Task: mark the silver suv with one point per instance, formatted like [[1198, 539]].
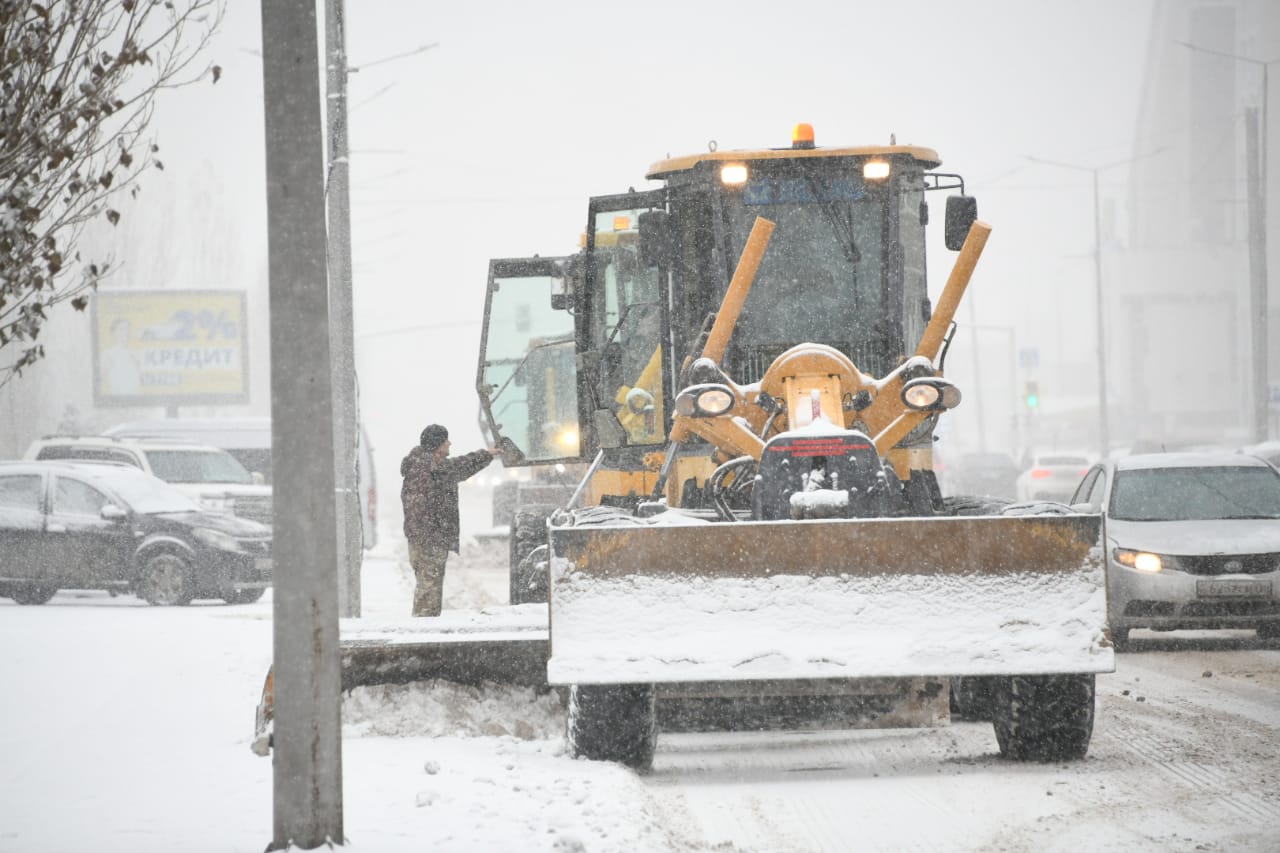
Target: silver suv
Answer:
[[207, 474]]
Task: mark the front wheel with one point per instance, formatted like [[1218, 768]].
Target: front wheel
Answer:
[[34, 594], [165, 580], [528, 532], [615, 722], [1043, 717]]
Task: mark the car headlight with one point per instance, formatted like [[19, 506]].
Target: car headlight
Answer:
[[216, 539], [215, 503], [1142, 561]]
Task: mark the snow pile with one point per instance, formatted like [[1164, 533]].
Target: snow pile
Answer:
[[443, 708]]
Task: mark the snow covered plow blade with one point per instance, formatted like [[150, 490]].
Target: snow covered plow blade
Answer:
[[634, 608]]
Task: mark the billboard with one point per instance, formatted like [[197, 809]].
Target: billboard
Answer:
[[170, 347]]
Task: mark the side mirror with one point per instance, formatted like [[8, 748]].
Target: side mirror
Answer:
[[111, 512], [962, 212], [655, 237]]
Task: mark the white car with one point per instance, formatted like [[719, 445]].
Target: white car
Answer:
[[213, 478], [1052, 477], [1192, 540]]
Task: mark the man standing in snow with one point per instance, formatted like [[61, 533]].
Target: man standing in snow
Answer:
[[430, 500]]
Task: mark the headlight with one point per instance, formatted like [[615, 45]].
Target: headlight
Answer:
[[930, 393], [215, 503], [705, 401], [216, 539], [567, 438], [1142, 561]]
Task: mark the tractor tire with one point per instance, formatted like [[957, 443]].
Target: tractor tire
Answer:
[[528, 532], [34, 594], [1268, 631], [1120, 639], [165, 580], [1043, 717], [243, 596], [613, 722], [971, 697]]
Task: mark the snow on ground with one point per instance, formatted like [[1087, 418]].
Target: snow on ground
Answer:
[[126, 728]]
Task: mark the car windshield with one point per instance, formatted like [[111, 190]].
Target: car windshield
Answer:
[[146, 494], [197, 466], [1184, 494]]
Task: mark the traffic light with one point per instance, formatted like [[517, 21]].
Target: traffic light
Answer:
[[1032, 394]]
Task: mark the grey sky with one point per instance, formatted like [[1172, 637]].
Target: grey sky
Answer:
[[489, 144]]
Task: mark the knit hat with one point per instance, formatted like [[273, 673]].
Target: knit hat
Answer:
[[434, 436]]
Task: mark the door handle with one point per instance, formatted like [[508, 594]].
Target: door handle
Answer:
[[57, 528]]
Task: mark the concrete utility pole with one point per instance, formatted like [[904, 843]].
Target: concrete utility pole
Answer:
[[346, 409], [307, 760], [1256, 167]]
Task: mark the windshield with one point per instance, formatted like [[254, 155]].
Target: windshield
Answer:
[[145, 494], [821, 278], [197, 466], [1184, 494]]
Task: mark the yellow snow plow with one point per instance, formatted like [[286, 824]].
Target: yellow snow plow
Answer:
[[758, 374]]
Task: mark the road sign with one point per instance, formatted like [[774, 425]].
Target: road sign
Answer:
[[1029, 358]]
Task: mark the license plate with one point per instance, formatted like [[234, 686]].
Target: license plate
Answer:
[[262, 564], [1234, 588]]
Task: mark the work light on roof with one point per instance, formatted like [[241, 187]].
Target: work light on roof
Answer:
[[733, 174], [875, 170], [802, 136]]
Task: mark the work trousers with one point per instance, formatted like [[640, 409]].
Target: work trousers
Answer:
[[428, 572]]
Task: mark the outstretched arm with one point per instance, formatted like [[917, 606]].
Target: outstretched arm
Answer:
[[459, 468]]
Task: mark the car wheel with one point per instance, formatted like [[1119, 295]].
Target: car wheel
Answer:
[[243, 596], [528, 532], [613, 722], [165, 580], [1043, 717], [34, 594]]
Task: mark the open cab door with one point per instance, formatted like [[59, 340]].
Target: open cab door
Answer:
[[527, 378]]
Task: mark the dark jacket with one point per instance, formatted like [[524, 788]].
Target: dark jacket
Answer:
[[430, 495]]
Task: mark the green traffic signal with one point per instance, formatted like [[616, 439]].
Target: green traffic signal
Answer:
[[1032, 395]]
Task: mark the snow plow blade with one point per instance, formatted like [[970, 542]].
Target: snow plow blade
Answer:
[[827, 599], [506, 645]]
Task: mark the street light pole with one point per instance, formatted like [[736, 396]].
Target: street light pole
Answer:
[[1104, 419]]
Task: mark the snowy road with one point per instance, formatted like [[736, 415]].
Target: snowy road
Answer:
[[126, 727], [1184, 757]]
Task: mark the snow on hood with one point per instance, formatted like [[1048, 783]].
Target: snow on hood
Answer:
[[1217, 536]]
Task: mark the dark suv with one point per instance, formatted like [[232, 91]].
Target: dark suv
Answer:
[[113, 527]]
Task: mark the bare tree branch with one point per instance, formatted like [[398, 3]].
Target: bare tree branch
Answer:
[[77, 85]]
